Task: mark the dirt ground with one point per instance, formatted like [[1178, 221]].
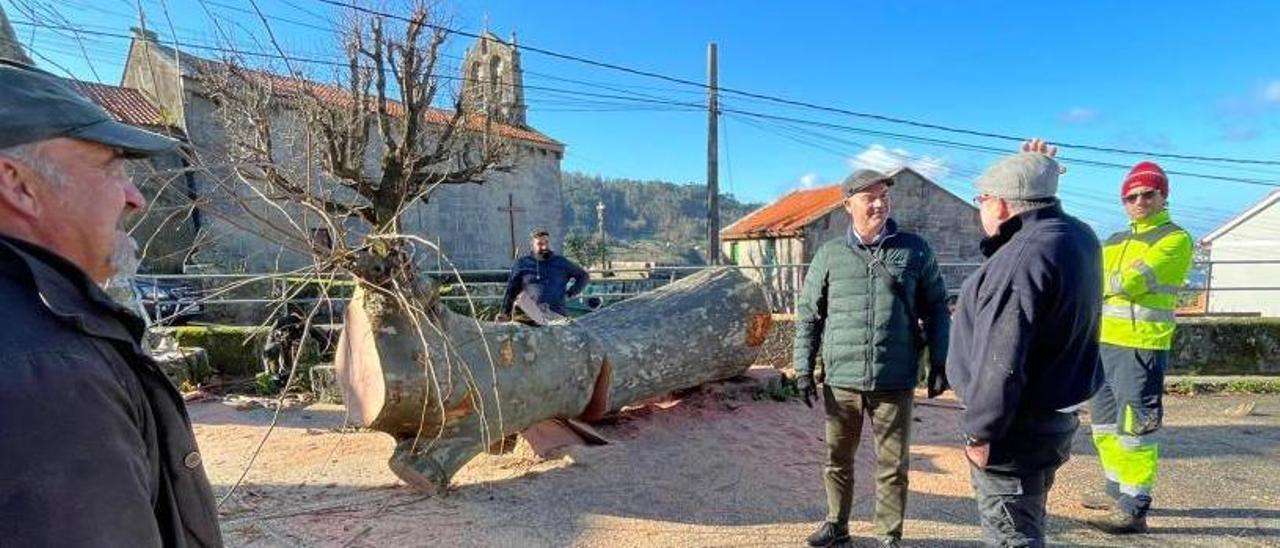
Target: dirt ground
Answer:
[[707, 471]]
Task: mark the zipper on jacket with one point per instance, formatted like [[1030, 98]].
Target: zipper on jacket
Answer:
[[871, 319], [1133, 313]]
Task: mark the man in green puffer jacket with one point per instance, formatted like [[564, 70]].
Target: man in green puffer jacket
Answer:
[[866, 298]]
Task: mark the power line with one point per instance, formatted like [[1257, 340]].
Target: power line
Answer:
[[637, 98], [642, 98], [984, 148], [808, 105], [1095, 204]]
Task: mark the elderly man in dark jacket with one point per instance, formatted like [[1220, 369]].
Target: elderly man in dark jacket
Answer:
[[97, 446], [864, 301], [1024, 343]]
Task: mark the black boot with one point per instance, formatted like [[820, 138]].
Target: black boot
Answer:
[[829, 534]]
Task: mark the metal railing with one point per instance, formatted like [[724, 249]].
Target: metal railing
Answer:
[[782, 284]]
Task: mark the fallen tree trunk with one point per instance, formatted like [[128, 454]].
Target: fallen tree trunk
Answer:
[[447, 387]]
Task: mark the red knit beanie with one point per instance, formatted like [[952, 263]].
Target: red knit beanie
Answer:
[[1146, 174]]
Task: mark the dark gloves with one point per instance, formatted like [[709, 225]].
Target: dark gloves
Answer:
[[937, 381], [804, 383]]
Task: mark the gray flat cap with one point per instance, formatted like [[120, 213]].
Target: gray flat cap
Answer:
[[862, 179], [1023, 176], [36, 105]]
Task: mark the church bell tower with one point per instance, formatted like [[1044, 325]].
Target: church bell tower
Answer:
[[492, 79]]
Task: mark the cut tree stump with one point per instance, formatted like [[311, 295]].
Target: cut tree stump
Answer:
[[448, 387]]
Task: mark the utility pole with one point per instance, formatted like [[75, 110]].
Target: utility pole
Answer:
[[604, 249], [713, 160]]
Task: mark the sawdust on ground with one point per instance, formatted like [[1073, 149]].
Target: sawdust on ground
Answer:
[[703, 471]]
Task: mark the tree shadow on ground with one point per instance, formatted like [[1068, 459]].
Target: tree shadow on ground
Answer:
[[217, 413]]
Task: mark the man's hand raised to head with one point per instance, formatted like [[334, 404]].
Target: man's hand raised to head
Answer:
[[1036, 144]]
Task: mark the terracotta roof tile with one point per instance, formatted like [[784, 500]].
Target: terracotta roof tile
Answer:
[[785, 217], [124, 104], [334, 95]]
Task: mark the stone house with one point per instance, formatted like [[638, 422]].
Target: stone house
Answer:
[[778, 240], [1245, 253], [476, 226]]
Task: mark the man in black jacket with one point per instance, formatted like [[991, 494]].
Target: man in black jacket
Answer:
[[1024, 343], [97, 446]]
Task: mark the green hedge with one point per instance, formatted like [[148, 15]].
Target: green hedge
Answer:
[[233, 349]]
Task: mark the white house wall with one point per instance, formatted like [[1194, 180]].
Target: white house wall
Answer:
[[1257, 238]]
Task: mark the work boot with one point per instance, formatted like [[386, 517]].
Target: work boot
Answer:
[[829, 534], [1120, 523], [1098, 501]]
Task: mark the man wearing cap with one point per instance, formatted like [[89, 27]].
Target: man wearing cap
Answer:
[[98, 448], [866, 297], [1024, 343], [1143, 268], [538, 282]]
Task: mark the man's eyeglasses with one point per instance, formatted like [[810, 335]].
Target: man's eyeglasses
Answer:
[[1144, 195]]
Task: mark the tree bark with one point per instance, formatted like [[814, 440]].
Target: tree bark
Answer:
[[455, 387]]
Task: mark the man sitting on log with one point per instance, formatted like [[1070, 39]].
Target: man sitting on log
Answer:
[[866, 297], [537, 283]]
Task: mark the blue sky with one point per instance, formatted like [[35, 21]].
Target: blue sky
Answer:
[[1165, 77]]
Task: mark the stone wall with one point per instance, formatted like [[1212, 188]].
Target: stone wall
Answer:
[[1226, 346], [166, 229], [1202, 346]]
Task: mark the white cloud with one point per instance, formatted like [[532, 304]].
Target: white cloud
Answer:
[[1271, 93], [883, 159], [1078, 115], [808, 180], [1240, 133]]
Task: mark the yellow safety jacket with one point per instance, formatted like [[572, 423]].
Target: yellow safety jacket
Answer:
[[1142, 270]]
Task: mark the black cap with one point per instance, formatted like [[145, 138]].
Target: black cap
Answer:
[[862, 179], [36, 105]]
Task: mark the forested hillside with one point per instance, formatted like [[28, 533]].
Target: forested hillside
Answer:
[[644, 210]]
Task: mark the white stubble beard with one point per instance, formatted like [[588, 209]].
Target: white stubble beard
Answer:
[[124, 264]]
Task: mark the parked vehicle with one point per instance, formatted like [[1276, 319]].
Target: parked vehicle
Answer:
[[167, 301]]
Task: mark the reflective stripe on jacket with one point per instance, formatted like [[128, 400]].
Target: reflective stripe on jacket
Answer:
[[1142, 270]]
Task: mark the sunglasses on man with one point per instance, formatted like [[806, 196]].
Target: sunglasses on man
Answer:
[[1144, 195]]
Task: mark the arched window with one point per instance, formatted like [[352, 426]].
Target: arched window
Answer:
[[495, 76]]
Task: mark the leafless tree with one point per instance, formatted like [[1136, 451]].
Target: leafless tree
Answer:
[[371, 132]]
